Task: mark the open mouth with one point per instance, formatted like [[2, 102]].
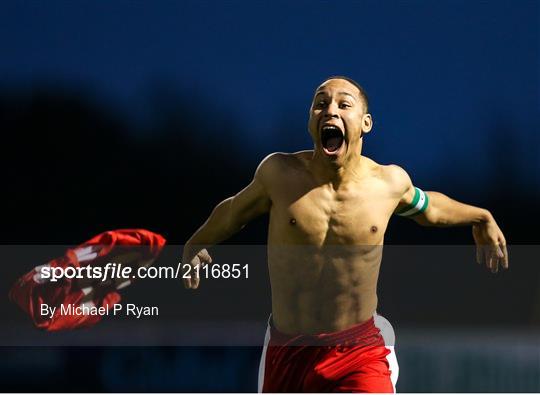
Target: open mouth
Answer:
[[331, 138]]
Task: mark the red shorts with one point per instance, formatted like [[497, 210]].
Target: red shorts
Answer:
[[354, 360]]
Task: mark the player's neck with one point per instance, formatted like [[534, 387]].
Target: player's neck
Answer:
[[338, 174]]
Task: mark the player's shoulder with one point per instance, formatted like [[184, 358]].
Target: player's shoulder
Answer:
[[395, 173], [278, 162], [395, 176]]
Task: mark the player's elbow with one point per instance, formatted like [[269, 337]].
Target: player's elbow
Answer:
[[428, 218]]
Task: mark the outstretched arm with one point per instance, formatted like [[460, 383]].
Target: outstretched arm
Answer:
[[228, 217], [436, 209]]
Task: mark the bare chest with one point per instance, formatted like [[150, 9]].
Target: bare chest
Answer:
[[320, 216]]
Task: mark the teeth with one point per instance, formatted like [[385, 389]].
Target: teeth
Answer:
[[331, 128]]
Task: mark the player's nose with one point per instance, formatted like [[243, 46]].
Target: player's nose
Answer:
[[331, 110]]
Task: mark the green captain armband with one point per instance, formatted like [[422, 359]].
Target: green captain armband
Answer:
[[418, 205]]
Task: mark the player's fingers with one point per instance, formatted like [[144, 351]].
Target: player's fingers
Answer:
[[487, 260], [187, 282], [487, 257], [498, 256], [204, 256], [493, 260], [479, 254], [190, 280], [498, 251], [490, 264], [195, 280], [495, 265], [205, 263], [505, 253]]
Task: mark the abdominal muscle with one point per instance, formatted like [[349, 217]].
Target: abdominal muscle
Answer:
[[321, 289]]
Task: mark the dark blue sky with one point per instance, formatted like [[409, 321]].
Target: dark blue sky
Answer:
[[454, 85]]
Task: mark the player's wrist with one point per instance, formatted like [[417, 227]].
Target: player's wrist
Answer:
[[485, 217], [191, 249], [188, 252]]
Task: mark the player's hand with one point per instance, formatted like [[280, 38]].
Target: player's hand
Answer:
[[490, 245], [201, 258]]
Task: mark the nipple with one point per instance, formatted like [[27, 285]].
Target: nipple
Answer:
[[373, 229]]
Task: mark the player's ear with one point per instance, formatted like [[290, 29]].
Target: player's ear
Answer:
[[367, 123]]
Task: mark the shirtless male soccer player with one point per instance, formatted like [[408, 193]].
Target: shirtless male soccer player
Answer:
[[329, 209]]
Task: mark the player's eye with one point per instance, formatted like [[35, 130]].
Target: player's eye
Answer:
[[345, 105], [321, 103]]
